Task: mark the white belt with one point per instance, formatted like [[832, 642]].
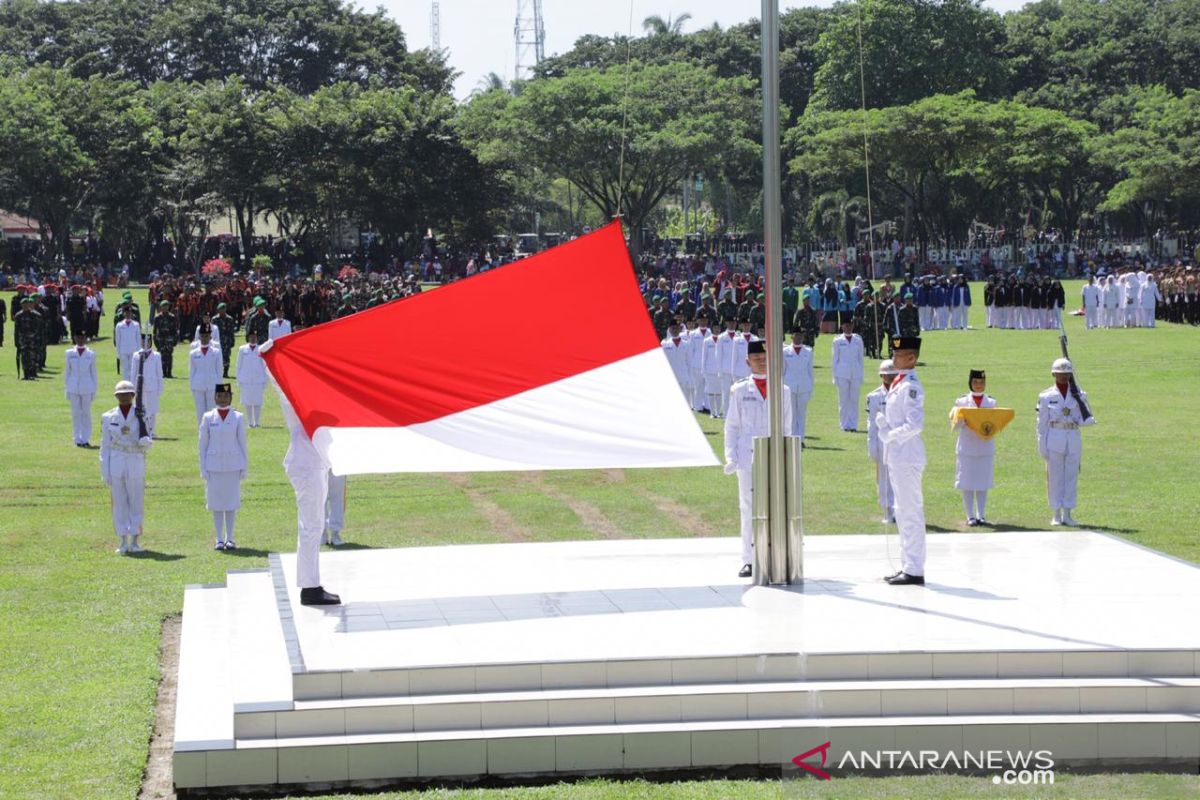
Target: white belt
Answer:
[[126, 448], [1065, 426]]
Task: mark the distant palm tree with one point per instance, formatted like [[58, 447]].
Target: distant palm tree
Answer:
[[655, 25], [838, 213], [491, 81]]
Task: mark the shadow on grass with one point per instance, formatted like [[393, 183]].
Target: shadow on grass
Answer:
[[150, 555], [808, 446], [1102, 529], [166, 438], [246, 552], [1004, 527], [344, 546]]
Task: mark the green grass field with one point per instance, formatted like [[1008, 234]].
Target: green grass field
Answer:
[[81, 633]]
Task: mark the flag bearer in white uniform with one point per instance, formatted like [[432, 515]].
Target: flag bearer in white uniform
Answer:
[[798, 378], [309, 475], [335, 510], [224, 458], [149, 362], [204, 373], [278, 327], [900, 425], [746, 419], [974, 465], [876, 402], [676, 348], [251, 374], [123, 467], [79, 377], [710, 368], [127, 338], [725, 361], [847, 369], [1059, 418]]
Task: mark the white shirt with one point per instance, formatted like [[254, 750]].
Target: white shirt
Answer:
[[903, 420], [1091, 296], [969, 442], [725, 351], [127, 337], [848, 358], [1055, 417], [710, 359], [798, 368], [152, 381], [678, 352], [876, 402], [204, 368], [79, 376], [216, 337], [278, 328], [251, 369], [747, 418], [223, 442], [119, 442], [301, 455], [696, 340]]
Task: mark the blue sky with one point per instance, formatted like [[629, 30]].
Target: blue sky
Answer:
[[479, 33]]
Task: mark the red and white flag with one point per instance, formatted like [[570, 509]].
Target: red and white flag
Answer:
[[547, 363]]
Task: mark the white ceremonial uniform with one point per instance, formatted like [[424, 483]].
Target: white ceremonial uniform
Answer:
[[900, 426], [739, 369], [798, 377], [725, 359], [679, 357], [696, 339], [1130, 299], [1091, 304], [152, 384], [224, 457], [309, 476], [847, 369], [251, 372], [710, 368], [278, 328], [1150, 297], [216, 337], [876, 402], [127, 338], [747, 418], [1060, 444], [974, 456], [123, 468], [204, 373], [1112, 302], [80, 381], [335, 508]]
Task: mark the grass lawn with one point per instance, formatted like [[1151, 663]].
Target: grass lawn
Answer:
[[81, 634]]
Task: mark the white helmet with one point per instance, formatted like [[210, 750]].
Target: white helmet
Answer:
[[124, 387], [1061, 365], [886, 367]]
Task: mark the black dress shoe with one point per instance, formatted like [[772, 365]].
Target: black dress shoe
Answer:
[[746, 571], [904, 579], [317, 596], [895, 574]]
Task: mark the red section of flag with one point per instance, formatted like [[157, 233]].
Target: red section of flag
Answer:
[[558, 314]]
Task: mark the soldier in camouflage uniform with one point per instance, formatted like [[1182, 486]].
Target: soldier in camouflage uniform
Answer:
[[166, 336], [662, 318], [227, 328], [347, 308], [868, 323], [807, 321], [259, 321], [27, 331]]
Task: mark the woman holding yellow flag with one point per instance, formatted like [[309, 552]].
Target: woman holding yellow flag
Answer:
[[975, 453]]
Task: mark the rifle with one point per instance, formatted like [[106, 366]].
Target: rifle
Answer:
[[1083, 409], [139, 405]]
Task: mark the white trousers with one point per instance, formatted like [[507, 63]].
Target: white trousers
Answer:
[[1146, 317], [1062, 478], [124, 359], [1091, 314], [205, 400], [942, 317], [310, 487], [799, 412], [990, 312], [128, 494], [1110, 317], [81, 417], [253, 415], [910, 515], [697, 397], [849, 391], [883, 488], [959, 317], [726, 381], [745, 509], [335, 506], [925, 316]]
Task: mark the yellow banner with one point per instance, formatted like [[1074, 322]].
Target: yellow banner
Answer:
[[986, 422]]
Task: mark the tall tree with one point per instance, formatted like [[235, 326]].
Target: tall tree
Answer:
[[656, 25]]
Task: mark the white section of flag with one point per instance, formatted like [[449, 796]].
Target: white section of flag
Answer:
[[630, 413]]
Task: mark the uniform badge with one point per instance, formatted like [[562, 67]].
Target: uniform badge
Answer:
[[1066, 411], [912, 394], [124, 430], [895, 342]]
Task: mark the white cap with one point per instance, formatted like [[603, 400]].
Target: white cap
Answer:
[[124, 387], [1063, 366], [886, 367]]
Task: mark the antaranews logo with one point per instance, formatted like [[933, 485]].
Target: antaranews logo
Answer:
[[1008, 767]]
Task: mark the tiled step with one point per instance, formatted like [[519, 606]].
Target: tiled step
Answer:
[[745, 669], [718, 702], [203, 707], [1094, 739], [258, 662]]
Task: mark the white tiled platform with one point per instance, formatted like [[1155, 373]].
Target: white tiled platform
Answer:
[[641, 655]]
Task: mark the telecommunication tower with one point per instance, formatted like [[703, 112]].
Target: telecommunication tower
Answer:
[[530, 36], [435, 27]]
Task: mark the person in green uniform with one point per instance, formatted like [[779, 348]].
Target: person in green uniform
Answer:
[[166, 335], [227, 328], [807, 321], [27, 331], [258, 320]]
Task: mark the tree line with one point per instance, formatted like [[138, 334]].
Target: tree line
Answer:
[[142, 120]]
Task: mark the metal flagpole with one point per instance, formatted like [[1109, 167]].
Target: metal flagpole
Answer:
[[777, 520]]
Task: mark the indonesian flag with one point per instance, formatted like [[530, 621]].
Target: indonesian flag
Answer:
[[547, 363]]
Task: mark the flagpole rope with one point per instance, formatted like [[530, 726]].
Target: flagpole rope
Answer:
[[625, 116]]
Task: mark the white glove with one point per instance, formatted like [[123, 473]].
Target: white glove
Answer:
[[265, 346], [880, 421], [145, 442], [730, 467]]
